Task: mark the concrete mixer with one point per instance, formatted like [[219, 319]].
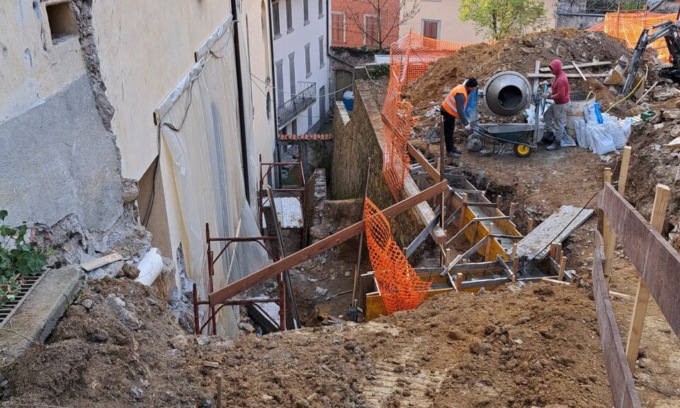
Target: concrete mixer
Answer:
[[508, 93]]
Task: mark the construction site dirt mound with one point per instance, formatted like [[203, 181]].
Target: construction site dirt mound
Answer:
[[525, 346], [519, 54]]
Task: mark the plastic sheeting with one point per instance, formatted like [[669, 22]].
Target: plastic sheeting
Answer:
[[200, 128]]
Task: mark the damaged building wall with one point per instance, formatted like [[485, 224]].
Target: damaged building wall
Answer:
[[194, 158], [354, 141], [58, 157]]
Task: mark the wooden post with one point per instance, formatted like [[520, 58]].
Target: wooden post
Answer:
[[464, 197], [498, 202], [563, 266], [488, 243], [515, 262], [530, 225], [609, 235], [623, 175], [459, 281], [512, 211], [642, 297], [218, 400]]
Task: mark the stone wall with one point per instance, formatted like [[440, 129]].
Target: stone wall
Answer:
[[355, 140]]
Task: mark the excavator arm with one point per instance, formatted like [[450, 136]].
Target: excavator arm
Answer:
[[669, 32]]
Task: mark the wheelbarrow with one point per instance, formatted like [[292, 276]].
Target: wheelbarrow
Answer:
[[522, 136]]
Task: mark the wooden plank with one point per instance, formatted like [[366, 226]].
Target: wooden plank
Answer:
[[375, 307], [608, 234], [579, 71], [323, 245], [655, 258], [642, 298], [423, 210], [584, 65], [411, 249], [535, 244], [549, 76], [476, 267], [623, 174], [415, 153], [103, 261], [621, 381]]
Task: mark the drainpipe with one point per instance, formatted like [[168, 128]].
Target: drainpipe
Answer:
[[277, 156], [241, 108]]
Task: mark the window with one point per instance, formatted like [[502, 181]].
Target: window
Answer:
[[338, 27], [306, 8], [310, 119], [371, 30], [276, 18], [62, 21], [279, 82], [320, 8], [293, 127], [289, 15], [321, 52], [291, 68], [308, 62], [431, 29]]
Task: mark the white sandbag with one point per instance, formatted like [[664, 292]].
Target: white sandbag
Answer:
[[618, 137], [580, 129], [627, 127], [589, 113], [599, 139]]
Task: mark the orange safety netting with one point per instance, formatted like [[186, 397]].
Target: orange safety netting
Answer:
[[398, 283], [628, 26], [409, 58]]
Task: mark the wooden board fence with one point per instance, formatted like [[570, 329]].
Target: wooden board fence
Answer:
[[621, 380], [654, 257]]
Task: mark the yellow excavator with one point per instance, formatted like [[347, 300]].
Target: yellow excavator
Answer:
[[669, 31]]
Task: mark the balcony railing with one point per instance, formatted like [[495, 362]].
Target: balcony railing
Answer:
[[298, 103]]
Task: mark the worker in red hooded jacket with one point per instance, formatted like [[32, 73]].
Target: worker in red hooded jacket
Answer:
[[555, 117]]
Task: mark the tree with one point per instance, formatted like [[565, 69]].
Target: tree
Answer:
[[378, 20], [498, 18]]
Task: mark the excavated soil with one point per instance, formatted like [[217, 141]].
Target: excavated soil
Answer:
[[537, 345]]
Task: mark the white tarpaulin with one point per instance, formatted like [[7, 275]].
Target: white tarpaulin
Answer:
[[200, 128]]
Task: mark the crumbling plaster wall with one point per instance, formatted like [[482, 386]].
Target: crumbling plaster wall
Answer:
[[353, 143], [58, 158], [32, 68]]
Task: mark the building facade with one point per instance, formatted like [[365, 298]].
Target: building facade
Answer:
[[364, 23], [301, 66], [429, 22], [95, 92]]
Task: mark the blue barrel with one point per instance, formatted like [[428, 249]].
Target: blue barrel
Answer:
[[348, 100]]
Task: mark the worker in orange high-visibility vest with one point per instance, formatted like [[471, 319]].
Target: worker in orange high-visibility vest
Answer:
[[453, 108]]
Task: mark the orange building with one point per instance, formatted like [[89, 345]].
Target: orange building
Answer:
[[356, 23]]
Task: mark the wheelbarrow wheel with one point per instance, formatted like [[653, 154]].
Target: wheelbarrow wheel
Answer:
[[474, 144], [522, 150]]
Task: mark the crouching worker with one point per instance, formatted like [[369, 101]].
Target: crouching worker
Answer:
[[453, 108], [555, 117]]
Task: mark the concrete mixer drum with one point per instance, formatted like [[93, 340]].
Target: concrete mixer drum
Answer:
[[507, 93]]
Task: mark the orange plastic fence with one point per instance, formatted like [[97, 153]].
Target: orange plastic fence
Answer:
[[399, 285], [628, 25], [409, 58]]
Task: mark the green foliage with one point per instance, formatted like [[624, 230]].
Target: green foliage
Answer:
[[381, 70], [498, 18], [18, 258]]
